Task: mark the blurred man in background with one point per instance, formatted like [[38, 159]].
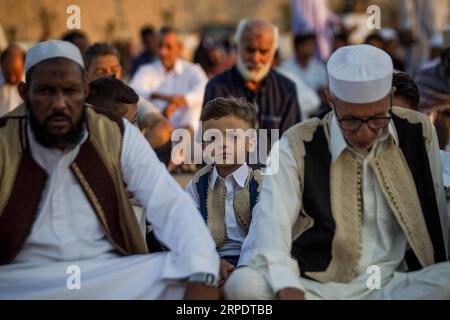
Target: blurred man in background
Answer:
[[149, 52], [12, 66], [103, 59], [252, 78]]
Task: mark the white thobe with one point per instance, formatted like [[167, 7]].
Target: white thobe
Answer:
[[309, 100], [185, 79], [9, 97], [144, 108], [67, 232], [234, 184], [314, 74], [383, 241]]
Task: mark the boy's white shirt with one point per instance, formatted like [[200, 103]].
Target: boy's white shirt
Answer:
[[234, 183]]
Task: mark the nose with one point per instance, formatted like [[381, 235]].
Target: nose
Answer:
[[59, 102], [365, 134], [256, 57], [162, 51]]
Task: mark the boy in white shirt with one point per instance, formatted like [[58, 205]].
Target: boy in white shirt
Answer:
[[227, 190]]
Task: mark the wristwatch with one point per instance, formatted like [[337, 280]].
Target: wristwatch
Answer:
[[207, 279]]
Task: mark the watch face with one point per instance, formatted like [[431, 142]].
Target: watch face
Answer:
[[208, 279]]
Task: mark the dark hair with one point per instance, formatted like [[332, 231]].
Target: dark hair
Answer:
[[99, 49], [301, 38], [167, 29], [406, 88], [373, 36], [147, 31], [5, 53], [221, 107], [342, 35], [111, 93], [71, 36]]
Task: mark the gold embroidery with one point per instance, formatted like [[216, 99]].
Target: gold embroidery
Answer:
[[399, 189], [346, 209], [415, 117], [216, 212]]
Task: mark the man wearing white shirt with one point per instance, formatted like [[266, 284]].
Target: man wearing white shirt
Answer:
[[307, 97], [305, 65], [63, 205], [357, 207], [175, 86], [12, 61], [103, 59]]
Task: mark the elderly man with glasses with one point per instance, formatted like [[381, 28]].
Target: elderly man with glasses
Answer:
[[356, 207]]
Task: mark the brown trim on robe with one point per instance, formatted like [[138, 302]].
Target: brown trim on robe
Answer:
[[99, 179], [18, 217]]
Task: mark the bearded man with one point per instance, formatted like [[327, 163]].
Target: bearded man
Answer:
[[274, 95], [64, 207]]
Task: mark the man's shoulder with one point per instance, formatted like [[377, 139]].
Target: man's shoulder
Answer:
[[431, 70], [223, 78], [287, 64], [101, 115], [413, 117], [282, 80], [16, 113], [150, 67], [410, 115], [189, 65], [200, 173], [192, 68], [304, 131]]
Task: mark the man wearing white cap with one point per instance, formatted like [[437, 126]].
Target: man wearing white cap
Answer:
[[357, 208], [67, 229]]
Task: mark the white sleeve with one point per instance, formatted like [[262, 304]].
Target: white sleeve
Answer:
[[142, 82], [279, 207], [308, 99], [247, 245], [436, 172], [175, 220], [193, 194], [145, 107], [196, 93]]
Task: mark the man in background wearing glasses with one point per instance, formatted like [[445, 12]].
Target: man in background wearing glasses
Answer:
[[357, 207]]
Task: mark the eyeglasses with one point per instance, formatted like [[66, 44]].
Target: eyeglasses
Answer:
[[374, 123]]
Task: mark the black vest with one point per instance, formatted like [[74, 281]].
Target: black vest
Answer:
[[313, 248]]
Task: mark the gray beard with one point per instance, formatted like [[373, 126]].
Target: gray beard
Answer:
[[251, 75]]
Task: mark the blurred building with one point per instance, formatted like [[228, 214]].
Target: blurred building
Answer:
[[31, 20]]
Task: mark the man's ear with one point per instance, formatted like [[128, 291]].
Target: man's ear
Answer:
[[327, 94], [23, 90]]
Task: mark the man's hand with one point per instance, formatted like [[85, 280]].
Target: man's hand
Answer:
[[160, 132], [170, 110], [179, 101], [200, 291], [225, 270], [290, 294], [160, 96]]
